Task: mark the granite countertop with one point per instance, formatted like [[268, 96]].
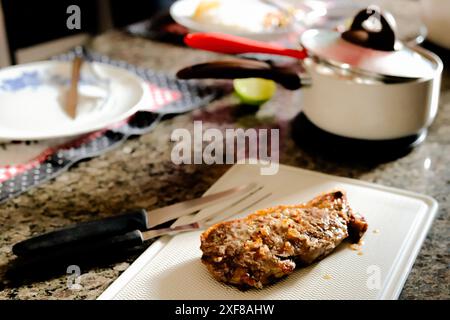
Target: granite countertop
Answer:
[[140, 174]]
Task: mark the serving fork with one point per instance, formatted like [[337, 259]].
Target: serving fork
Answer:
[[134, 228]]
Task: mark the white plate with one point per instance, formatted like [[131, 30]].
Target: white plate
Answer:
[[32, 98], [171, 269], [245, 15]]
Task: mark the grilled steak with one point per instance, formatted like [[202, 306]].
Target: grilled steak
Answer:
[[268, 244]]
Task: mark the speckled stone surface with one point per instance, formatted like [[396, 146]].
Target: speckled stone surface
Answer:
[[140, 174]]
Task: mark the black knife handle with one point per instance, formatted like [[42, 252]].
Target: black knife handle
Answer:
[[89, 253], [85, 232], [102, 245], [98, 246]]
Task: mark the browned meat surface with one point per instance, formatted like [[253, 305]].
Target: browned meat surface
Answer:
[[268, 244]]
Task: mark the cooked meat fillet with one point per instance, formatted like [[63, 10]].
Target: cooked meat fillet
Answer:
[[268, 244]]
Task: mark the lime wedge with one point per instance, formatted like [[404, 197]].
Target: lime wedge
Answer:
[[254, 91]]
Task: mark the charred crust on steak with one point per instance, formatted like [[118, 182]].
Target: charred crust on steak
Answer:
[[269, 244]]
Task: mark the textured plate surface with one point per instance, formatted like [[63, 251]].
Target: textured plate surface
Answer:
[[398, 222]]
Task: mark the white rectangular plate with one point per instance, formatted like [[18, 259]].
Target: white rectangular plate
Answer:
[[398, 223]]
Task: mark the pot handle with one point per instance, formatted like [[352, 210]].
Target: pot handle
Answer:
[[242, 68], [362, 35], [230, 44]]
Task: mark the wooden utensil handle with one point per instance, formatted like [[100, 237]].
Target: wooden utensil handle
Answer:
[[72, 96]]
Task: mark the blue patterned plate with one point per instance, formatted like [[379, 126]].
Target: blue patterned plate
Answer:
[[32, 99]]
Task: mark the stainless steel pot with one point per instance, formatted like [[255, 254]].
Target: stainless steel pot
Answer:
[[362, 107]]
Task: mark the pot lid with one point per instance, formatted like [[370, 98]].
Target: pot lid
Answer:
[[373, 53]]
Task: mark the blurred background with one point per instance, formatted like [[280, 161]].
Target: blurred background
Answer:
[[35, 30], [32, 30]]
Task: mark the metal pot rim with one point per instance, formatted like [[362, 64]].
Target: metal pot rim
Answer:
[[436, 65], [385, 79]]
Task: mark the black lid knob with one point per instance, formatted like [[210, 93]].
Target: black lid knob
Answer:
[[372, 29]]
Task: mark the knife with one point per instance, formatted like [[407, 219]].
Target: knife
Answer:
[[118, 247], [137, 237], [137, 220]]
